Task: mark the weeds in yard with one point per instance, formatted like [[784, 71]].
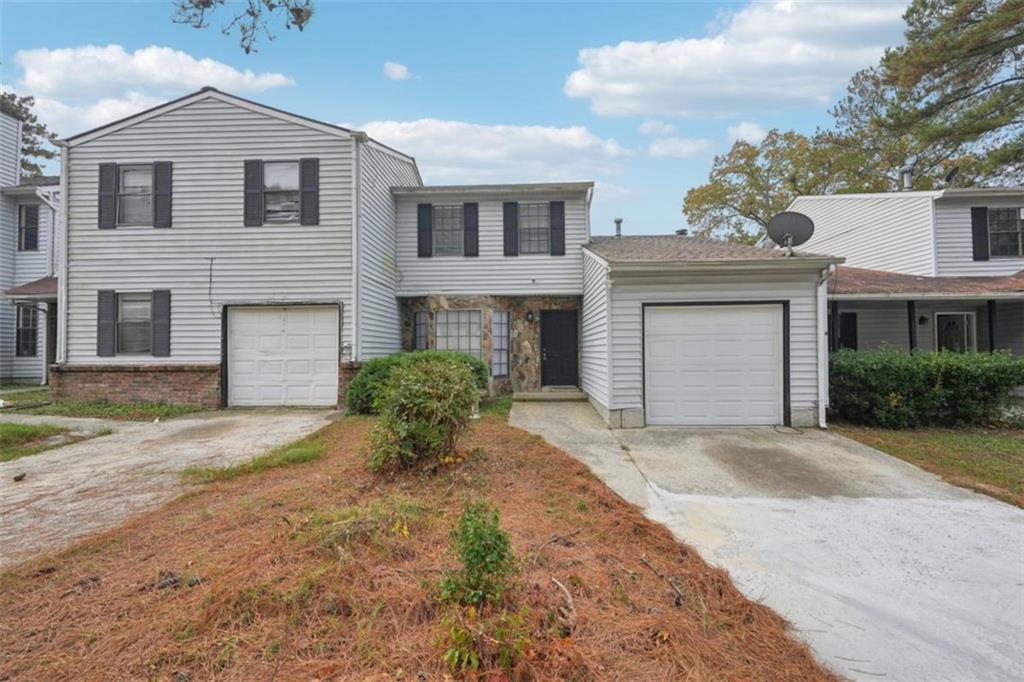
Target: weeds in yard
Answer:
[[100, 409], [471, 641], [485, 551], [22, 440], [294, 453], [394, 517], [496, 407]]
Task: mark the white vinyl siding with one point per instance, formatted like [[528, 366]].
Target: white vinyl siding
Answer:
[[953, 238], [594, 365], [885, 323], [379, 321], [208, 257], [491, 272], [883, 231], [627, 331]]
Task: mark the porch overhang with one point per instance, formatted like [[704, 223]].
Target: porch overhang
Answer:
[[43, 290], [861, 284]]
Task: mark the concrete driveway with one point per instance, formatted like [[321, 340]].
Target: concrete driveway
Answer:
[[886, 571], [89, 486]]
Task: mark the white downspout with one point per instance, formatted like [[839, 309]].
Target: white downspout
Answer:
[[822, 324], [62, 277], [357, 140]]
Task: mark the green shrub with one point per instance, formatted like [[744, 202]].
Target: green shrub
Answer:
[[895, 389], [485, 552], [363, 390], [424, 407]]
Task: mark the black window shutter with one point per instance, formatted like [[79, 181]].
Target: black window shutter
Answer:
[[979, 232], [107, 200], [253, 193], [848, 330], [30, 240], [471, 229], [424, 230], [556, 210], [162, 194], [511, 221], [106, 321], [160, 327], [309, 191]]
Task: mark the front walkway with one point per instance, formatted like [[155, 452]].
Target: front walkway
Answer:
[[85, 487], [885, 570]]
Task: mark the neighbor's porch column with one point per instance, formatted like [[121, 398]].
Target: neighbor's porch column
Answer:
[[912, 324], [991, 326]]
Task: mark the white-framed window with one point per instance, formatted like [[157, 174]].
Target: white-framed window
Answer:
[[135, 194], [499, 343], [534, 228], [447, 228], [27, 331], [281, 192], [28, 227], [1006, 232], [420, 328], [457, 330], [956, 332], [134, 322]]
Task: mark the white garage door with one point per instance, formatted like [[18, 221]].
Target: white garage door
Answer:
[[283, 355], [713, 365]]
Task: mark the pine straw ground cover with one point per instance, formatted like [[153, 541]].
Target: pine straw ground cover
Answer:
[[322, 570]]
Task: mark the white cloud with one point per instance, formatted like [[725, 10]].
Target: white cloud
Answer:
[[656, 128], [747, 131], [679, 147], [95, 71], [68, 119], [763, 57], [396, 72], [457, 151]]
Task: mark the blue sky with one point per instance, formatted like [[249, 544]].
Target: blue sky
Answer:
[[638, 97]]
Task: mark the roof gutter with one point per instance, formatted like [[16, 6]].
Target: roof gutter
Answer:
[[780, 264], [1005, 295]]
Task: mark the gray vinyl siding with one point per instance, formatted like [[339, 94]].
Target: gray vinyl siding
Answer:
[[882, 232], [594, 333], [953, 249], [28, 267], [208, 258], [1010, 326], [883, 324], [492, 272], [627, 327], [10, 147], [379, 322]]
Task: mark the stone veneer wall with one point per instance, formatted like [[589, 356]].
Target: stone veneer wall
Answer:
[[524, 350], [175, 384]]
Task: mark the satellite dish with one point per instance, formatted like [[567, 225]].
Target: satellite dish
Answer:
[[789, 229]]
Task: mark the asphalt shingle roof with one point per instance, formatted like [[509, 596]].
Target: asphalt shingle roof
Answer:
[[851, 281], [668, 248]]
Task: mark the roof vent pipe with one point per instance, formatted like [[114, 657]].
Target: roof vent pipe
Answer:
[[907, 175], [618, 227]]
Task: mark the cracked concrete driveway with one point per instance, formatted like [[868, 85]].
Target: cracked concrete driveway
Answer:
[[884, 569], [89, 486]]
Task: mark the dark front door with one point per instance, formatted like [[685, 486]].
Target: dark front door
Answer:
[[558, 348]]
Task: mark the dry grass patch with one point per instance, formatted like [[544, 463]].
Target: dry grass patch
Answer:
[[327, 571]]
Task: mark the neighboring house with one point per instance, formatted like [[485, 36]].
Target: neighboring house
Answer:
[[30, 238], [221, 252], [924, 270]]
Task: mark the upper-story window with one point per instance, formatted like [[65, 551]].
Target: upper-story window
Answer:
[[281, 191], [534, 228], [135, 194], [28, 227], [1006, 231], [134, 322], [448, 225]]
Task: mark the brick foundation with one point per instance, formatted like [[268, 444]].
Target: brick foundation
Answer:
[[347, 371], [197, 385]]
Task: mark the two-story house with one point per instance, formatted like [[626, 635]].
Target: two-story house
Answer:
[[221, 252], [924, 270], [30, 236]]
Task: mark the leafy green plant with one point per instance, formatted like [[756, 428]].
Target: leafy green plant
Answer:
[[484, 549], [364, 389], [895, 389], [472, 642], [424, 407]]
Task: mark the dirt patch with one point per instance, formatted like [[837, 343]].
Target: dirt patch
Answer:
[[255, 578]]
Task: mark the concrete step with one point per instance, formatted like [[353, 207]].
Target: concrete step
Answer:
[[551, 395]]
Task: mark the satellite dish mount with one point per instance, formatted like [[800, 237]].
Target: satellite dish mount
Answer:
[[789, 229]]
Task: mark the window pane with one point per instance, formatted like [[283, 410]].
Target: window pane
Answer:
[[458, 330], [499, 343], [447, 228], [281, 175], [421, 330], [1005, 227], [282, 207], [534, 222], [135, 208], [27, 331], [136, 179], [133, 323]]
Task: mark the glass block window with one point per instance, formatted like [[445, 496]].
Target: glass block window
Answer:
[[1006, 231], [499, 343], [27, 331], [457, 330], [534, 227], [281, 191], [420, 324], [447, 227], [135, 195], [134, 321]]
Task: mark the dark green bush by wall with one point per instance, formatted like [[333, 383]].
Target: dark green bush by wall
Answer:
[[895, 389], [363, 389]]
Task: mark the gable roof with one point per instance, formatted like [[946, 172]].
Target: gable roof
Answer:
[[670, 248], [511, 188]]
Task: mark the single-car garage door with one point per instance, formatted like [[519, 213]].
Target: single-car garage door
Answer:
[[710, 365], [283, 355]]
